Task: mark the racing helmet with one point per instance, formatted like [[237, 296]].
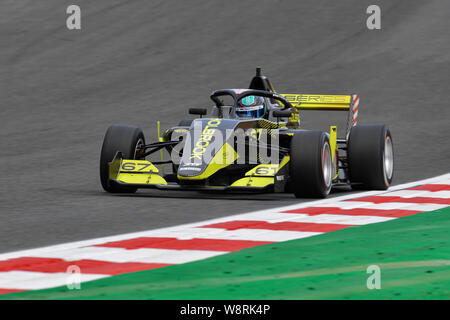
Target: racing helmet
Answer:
[[251, 107]]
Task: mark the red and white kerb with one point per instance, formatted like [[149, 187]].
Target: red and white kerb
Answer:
[[49, 267]]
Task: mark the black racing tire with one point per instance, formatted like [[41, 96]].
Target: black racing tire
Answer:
[[119, 138], [185, 123], [370, 157], [310, 167]]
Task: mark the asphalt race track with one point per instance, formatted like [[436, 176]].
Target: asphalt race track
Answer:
[[135, 62]]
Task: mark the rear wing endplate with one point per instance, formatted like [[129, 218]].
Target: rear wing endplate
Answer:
[[322, 102]]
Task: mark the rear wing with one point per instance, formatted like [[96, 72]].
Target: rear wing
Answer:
[[348, 103]]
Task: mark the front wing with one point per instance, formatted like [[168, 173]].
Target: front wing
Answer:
[[143, 174]]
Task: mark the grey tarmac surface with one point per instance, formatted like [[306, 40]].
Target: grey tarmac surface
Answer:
[[135, 62]]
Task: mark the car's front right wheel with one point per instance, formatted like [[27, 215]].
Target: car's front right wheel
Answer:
[[311, 169]]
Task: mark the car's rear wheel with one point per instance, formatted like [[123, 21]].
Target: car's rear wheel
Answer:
[[370, 157], [129, 140], [311, 169]]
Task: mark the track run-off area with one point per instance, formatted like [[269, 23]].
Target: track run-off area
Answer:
[[104, 257]]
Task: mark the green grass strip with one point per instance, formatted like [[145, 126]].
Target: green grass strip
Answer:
[[413, 254]]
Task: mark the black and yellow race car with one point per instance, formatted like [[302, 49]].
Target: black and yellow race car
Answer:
[[252, 141]]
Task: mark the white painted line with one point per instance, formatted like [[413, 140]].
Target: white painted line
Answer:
[[384, 206], [445, 194], [273, 217], [342, 219], [187, 233], [142, 255]]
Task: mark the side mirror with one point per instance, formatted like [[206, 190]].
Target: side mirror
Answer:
[[198, 111], [282, 114]]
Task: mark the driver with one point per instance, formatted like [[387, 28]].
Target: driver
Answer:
[[251, 107]]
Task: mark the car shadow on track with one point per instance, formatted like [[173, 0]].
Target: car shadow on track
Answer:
[[215, 195]]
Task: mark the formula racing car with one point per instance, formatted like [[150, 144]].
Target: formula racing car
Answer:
[[251, 141]]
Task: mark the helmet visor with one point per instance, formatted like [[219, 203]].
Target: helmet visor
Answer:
[[251, 107]]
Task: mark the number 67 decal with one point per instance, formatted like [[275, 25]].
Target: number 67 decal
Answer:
[[266, 171], [130, 166]]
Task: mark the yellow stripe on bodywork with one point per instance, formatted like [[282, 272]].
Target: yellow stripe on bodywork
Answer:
[[333, 139], [222, 159], [333, 147], [319, 101], [253, 182], [285, 160], [141, 178]]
